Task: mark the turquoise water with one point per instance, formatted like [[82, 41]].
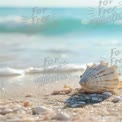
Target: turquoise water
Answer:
[[31, 38], [73, 34]]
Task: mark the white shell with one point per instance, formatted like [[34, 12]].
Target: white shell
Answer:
[[100, 78]]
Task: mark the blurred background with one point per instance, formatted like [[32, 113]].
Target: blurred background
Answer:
[[77, 33]]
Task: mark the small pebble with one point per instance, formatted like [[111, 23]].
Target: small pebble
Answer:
[[26, 104], [62, 116], [107, 95], [6, 111], [41, 110], [93, 95], [84, 99], [116, 99], [21, 111], [67, 101], [29, 95], [77, 105], [26, 119], [82, 103], [96, 99]]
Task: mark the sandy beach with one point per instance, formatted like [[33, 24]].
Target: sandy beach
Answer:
[[19, 104], [44, 49]]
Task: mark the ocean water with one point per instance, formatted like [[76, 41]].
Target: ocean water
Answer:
[[34, 38]]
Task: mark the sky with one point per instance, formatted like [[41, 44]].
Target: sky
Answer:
[[58, 3], [50, 3]]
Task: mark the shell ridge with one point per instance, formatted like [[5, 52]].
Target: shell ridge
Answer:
[[100, 78]]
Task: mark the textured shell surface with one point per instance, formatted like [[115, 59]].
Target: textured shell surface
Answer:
[[100, 78]]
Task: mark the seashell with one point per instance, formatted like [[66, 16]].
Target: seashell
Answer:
[[100, 78], [62, 92]]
